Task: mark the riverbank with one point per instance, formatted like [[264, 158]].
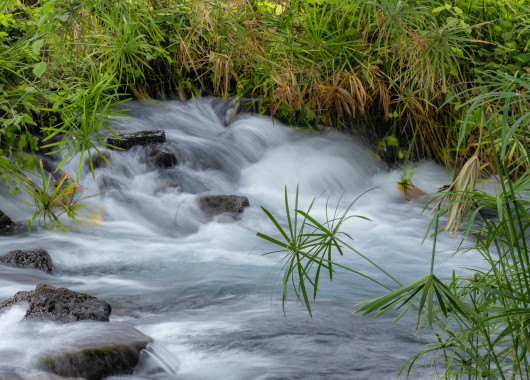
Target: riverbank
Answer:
[[398, 74]]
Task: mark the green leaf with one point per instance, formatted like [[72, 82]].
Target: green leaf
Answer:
[[39, 69], [36, 46], [438, 9]]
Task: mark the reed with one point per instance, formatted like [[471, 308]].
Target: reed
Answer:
[[400, 70], [480, 320]]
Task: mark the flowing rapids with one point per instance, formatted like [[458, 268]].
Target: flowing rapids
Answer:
[[200, 286]]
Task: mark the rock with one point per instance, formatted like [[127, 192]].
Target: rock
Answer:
[[45, 149], [98, 160], [247, 105], [158, 156], [65, 305], [227, 110], [8, 227], [22, 296], [128, 140], [32, 259], [60, 304], [5, 221], [116, 355], [218, 204]]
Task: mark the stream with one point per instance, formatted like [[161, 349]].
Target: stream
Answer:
[[200, 286]]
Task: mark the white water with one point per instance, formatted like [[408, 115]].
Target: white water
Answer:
[[200, 287]]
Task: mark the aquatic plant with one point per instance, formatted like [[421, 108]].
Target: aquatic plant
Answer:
[[481, 319]]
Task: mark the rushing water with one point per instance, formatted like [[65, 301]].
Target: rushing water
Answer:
[[199, 286]]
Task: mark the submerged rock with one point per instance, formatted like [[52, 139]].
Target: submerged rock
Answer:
[[60, 304], [159, 157], [167, 186], [32, 259], [218, 204], [106, 182], [128, 140], [115, 353], [98, 160]]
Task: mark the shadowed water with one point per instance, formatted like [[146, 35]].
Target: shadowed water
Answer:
[[199, 286]]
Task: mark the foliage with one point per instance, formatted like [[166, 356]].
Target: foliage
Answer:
[[337, 62], [480, 320], [51, 197], [307, 244]]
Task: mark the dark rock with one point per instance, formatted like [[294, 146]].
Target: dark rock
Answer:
[[8, 227], [60, 304], [227, 110], [14, 229], [98, 160], [45, 141], [97, 360], [128, 140], [158, 156], [5, 221], [218, 204], [65, 305], [247, 105], [32, 259]]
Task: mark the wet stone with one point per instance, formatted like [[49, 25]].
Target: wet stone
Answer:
[[5, 221], [158, 156], [96, 363], [128, 140], [219, 204], [60, 304], [31, 259]]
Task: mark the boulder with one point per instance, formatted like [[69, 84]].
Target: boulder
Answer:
[[218, 204], [60, 304], [128, 140], [32, 259], [5, 221], [98, 358], [157, 156]]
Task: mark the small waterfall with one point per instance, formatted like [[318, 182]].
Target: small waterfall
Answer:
[[157, 360]]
